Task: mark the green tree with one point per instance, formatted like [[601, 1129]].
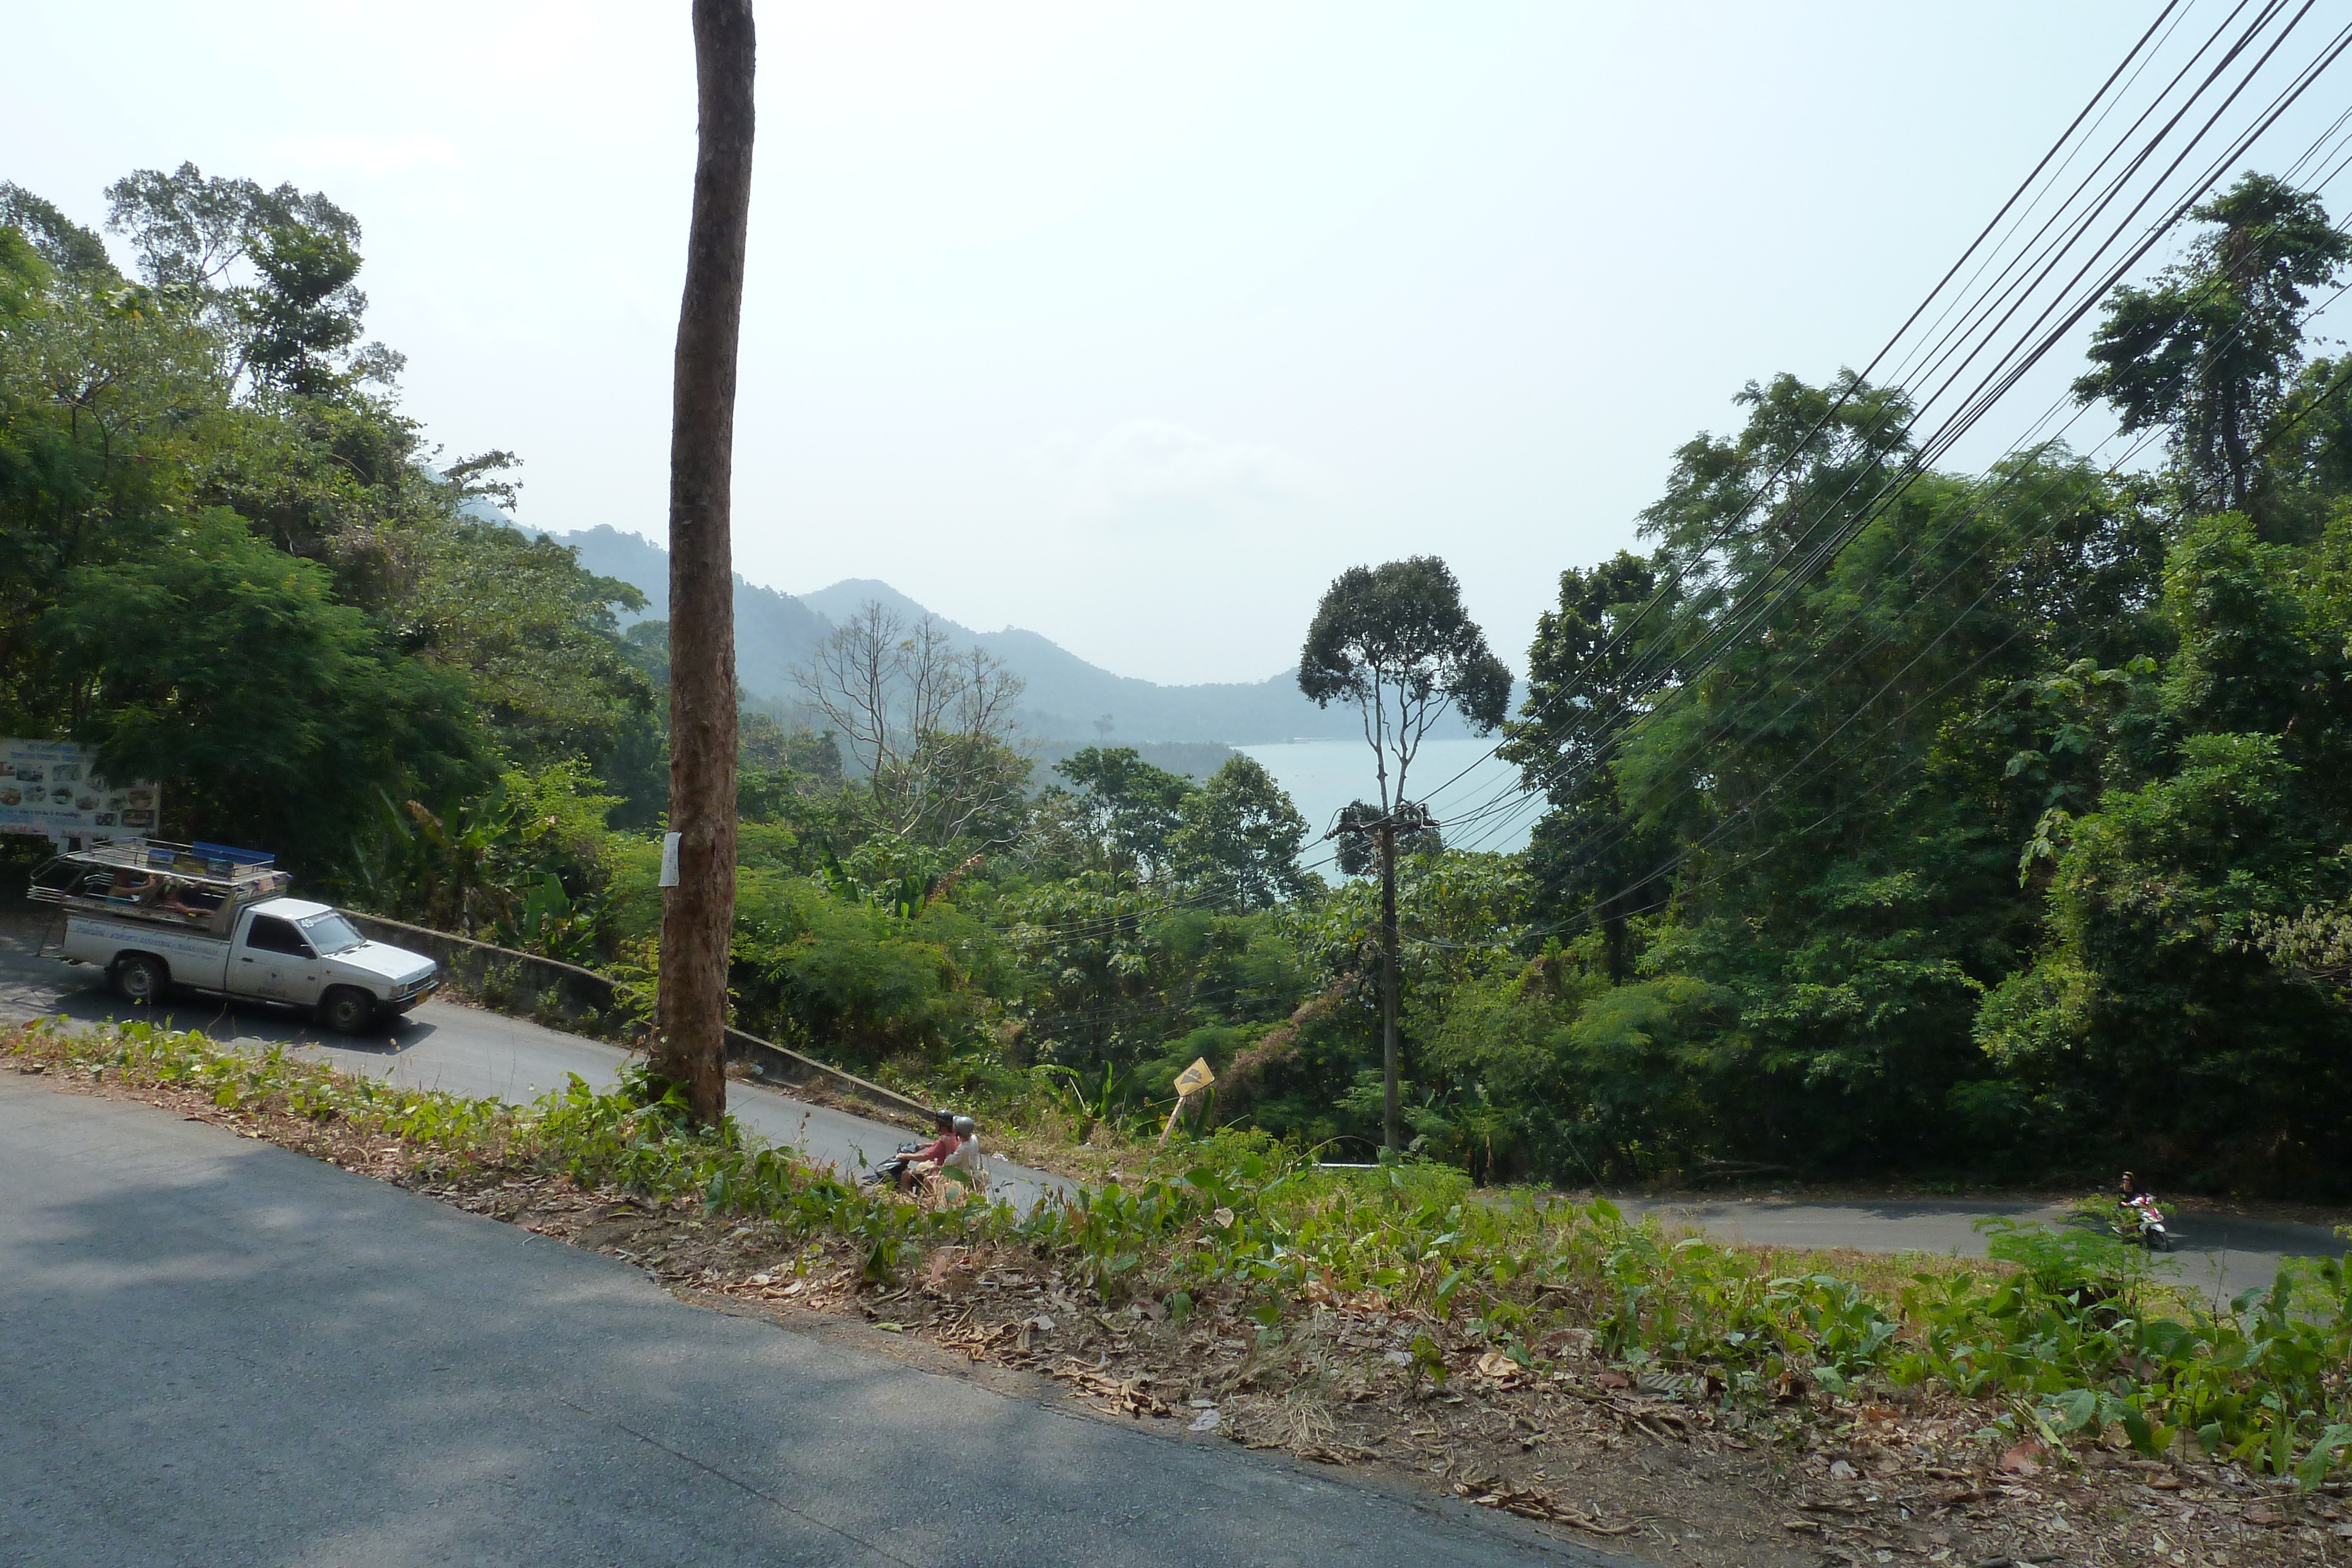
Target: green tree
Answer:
[[539, 639], [2209, 351], [2153, 1011], [304, 314], [1395, 642], [23, 275], [123, 424], [1132, 810], [109, 412], [1820, 784], [1240, 834], [225, 669], [64, 247], [272, 269], [1590, 679]]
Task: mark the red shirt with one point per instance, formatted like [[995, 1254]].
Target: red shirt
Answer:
[[940, 1150]]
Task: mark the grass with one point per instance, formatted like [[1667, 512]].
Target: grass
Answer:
[[2064, 1337]]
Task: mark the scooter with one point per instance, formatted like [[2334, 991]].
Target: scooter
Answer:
[[889, 1169], [2142, 1222]]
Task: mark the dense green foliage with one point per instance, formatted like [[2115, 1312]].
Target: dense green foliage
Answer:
[[224, 562], [1963, 826], [1959, 854]]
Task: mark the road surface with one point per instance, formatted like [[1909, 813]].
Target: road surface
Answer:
[[471, 1051], [464, 1050], [2219, 1256], [220, 1352]]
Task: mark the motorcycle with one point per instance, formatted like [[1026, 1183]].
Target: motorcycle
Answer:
[[889, 1170], [2142, 1223]]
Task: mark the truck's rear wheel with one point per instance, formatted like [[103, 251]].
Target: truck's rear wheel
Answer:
[[141, 978], [345, 1010]]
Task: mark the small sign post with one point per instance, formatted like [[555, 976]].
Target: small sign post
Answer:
[[670, 859], [1188, 1082]]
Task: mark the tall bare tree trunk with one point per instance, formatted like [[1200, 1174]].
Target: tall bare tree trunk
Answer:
[[699, 913], [1393, 1119]]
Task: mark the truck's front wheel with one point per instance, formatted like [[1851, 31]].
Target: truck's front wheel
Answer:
[[141, 978], [345, 1010]]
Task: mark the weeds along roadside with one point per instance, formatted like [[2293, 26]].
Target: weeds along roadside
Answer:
[[2074, 1343]]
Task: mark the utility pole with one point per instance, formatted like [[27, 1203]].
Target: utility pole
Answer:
[[699, 913], [1392, 1116], [1395, 643], [1359, 825]]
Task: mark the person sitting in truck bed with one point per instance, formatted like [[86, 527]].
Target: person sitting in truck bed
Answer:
[[195, 903]]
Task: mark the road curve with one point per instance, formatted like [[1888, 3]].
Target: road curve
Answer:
[[464, 1050], [2219, 1255], [220, 1352], [467, 1051]]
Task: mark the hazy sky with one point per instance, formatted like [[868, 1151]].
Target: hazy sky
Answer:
[[1130, 325]]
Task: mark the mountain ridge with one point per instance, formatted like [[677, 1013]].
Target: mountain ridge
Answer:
[[1066, 698]]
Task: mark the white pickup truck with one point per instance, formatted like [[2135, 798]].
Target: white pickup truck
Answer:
[[157, 917]]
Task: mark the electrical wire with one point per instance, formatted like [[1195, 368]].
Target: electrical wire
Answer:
[[1944, 438], [2006, 370]]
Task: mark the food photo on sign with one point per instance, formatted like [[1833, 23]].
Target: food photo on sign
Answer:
[[52, 788]]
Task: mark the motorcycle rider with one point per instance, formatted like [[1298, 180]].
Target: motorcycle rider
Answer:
[[925, 1161], [966, 1157], [895, 1168], [2139, 1210]]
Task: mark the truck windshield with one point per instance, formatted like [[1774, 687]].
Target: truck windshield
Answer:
[[331, 933]]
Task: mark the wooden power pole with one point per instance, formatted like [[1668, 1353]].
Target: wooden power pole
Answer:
[[1391, 1113], [699, 913]]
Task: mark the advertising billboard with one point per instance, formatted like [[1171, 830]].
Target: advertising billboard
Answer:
[[52, 788]]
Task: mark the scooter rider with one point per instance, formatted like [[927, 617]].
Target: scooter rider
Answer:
[[923, 1162], [966, 1157], [2141, 1221], [894, 1169]]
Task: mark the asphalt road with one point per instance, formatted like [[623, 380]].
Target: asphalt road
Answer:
[[2219, 1256], [465, 1051], [221, 1353], [470, 1051]]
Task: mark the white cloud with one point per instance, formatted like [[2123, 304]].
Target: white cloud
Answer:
[[1156, 470]]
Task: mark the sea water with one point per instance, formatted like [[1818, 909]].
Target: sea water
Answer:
[[1475, 795]]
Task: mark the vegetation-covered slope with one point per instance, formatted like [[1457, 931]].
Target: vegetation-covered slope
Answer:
[[2011, 841]]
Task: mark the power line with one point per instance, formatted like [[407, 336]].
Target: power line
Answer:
[[1973, 409], [1516, 809], [2340, 383], [1624, 828], [1626, 628]]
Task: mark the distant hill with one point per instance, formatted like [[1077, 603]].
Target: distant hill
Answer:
[[850, 594], [1068, 698], [773, 631]]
